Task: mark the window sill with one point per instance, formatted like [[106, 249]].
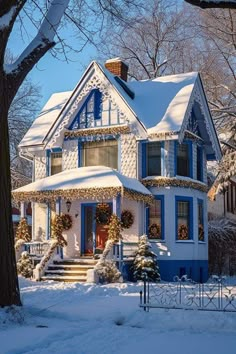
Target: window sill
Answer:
[[202, 242], [156, 240], [184, 241]]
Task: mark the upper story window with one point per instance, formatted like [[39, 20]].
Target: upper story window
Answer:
[[56, 162], [153, 159], [102, 153], [156, 219], [184, 218], [184, 159]]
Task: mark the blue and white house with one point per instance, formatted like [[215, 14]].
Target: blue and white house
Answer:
[[140, 146]]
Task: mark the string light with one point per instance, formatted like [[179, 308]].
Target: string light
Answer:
[[97, 131], [174, 182]]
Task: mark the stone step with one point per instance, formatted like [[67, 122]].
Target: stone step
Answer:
[[79, 261]]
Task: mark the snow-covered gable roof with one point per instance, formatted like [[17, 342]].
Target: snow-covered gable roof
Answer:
[[42, 124]]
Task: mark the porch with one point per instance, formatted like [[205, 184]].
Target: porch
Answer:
[[79, 193]]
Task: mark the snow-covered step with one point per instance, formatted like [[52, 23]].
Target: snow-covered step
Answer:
[[69, 270], [66, 278]]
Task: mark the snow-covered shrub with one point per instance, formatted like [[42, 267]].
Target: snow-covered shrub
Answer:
[[145, 262], [222, 246], [22, 234], [25, 265], [108, 272]]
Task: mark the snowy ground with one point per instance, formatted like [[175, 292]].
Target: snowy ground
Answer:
[[68, 318]]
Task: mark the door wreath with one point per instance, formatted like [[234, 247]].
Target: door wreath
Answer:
[[103, 213], [127, 219]]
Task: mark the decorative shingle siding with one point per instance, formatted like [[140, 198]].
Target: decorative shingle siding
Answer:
[[40, 165], [128, 155], [70, 154]]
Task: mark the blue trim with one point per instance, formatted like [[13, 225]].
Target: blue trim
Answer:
[[200, 163], [118, 206], [201, 202], [197, 270], [97, 104], [57, 149], [144, 159], [190, 217], [48, 162], [162, 158]]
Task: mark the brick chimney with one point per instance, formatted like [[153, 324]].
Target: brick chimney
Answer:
[[117, 67]]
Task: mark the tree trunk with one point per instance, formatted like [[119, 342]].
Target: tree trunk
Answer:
[[9, 287]]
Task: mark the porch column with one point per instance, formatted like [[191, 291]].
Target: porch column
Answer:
[[22, 209], [116, 205]]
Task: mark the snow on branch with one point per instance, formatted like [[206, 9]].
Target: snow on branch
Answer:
[[43, 40], [206, 4], [5, 20]]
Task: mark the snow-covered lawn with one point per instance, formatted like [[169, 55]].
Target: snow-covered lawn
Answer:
[[89, 319]]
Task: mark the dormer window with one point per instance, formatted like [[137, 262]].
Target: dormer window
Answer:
[[183, 159]]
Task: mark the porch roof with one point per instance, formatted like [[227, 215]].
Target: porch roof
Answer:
[[93, 182]]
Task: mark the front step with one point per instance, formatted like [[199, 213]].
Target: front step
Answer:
[[69, 270]]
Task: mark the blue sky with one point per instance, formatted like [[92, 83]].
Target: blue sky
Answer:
[[51, 74]]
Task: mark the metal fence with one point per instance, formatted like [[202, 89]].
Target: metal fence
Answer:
[[183, 293]]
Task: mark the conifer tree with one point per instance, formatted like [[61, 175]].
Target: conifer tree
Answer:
[[25, 265], [145, 262], [22, 232]]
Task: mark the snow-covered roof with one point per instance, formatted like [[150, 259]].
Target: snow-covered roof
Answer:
[[42, 124], [83, 179], [160, 103]]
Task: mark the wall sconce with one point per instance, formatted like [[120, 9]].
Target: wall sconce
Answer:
[[68, 205]]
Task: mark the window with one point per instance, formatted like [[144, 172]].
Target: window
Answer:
[[199, 164], [153, 166], [183, 218], [200, 221], [156, 219], [56, 162], [102, 153], [183, 157]]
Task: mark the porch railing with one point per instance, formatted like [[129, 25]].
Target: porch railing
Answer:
[[36, 248]]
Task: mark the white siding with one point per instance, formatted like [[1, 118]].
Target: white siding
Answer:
[[40, 221]]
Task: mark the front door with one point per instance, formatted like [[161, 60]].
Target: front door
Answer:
[[94, 234]]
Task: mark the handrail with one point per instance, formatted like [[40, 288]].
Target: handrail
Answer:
[[40, 267]]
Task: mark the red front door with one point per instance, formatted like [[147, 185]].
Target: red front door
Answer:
[[101, 236]]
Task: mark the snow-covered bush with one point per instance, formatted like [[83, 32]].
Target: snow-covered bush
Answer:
[[108, 272], [145, 262], [222, 246], [25, 265]]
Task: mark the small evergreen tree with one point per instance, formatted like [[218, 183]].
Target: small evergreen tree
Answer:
[[22, 232], [25, 265], [145, 262]]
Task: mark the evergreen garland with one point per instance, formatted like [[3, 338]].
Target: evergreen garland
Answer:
[[66, 221], [183, 232], [57, 229], [145, 262], [103, 213], [154, 231], [114, 228]]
